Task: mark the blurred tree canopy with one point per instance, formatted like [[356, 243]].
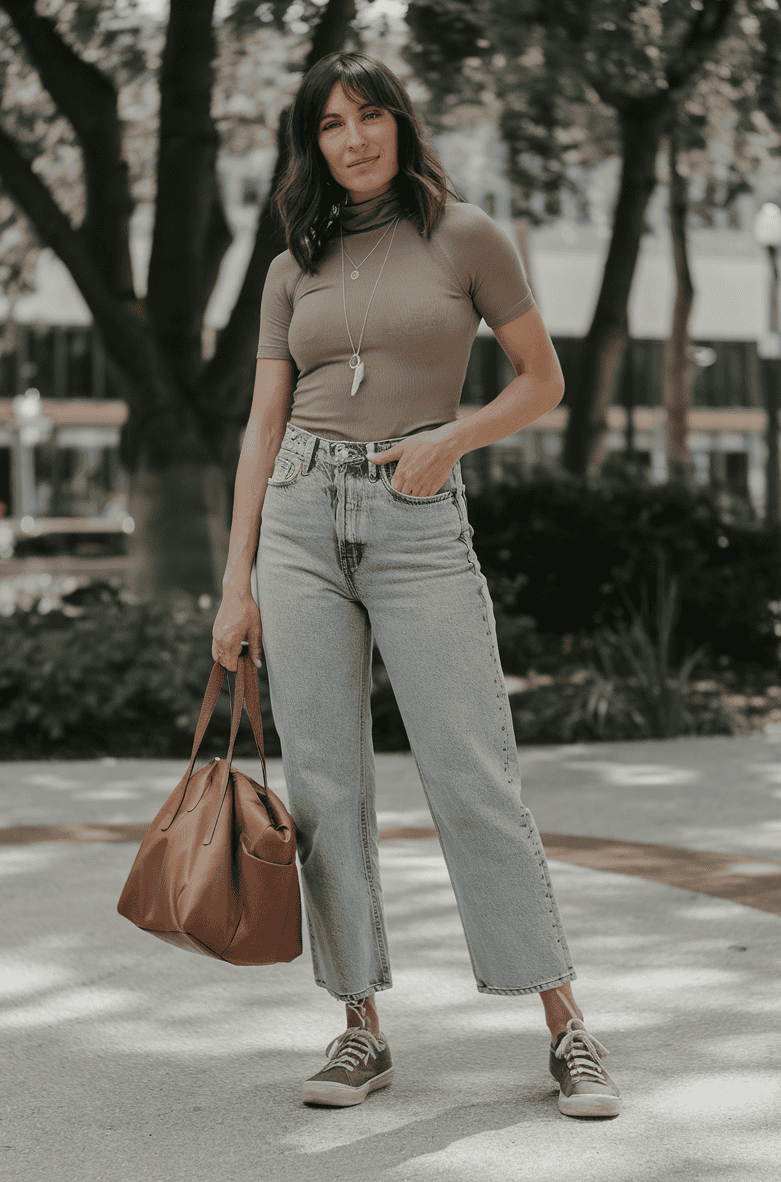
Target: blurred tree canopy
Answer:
[[578, 81], [103, 107]]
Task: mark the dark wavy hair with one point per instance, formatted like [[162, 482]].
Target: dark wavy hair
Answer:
[[308, 198]]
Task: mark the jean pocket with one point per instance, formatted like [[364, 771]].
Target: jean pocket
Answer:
[[287, 466], [445, 493]]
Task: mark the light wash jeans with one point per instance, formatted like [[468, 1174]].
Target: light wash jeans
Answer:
[[343, 558]]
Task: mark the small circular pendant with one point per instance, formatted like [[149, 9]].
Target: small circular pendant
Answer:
[[353, 274]]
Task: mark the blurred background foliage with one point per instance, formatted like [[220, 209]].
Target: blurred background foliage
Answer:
[[623, 610]]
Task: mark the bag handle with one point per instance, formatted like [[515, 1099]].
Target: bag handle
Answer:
[[246, 687], [252, 698]]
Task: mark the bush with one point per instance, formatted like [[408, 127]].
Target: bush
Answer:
[[90, 670], [86, 669], [571, 554]]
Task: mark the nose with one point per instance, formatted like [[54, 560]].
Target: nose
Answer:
[[354, 132]]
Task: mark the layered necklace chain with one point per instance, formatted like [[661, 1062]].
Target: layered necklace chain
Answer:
[[355, 362], [355, 273]]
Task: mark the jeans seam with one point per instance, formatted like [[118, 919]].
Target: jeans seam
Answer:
[[571, 975], [385, 479], [447, 864], [465, 537], [364, 819], [377, 987], [531, 835]]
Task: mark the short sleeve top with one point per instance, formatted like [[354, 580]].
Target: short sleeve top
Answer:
[[422, 320]]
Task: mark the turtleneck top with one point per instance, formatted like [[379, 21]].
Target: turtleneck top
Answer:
[[420, 326]]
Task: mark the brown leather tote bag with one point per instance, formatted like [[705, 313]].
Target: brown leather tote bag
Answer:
[[216, 870]]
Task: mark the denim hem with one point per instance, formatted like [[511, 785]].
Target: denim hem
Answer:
[[345, 997], [572, 976]]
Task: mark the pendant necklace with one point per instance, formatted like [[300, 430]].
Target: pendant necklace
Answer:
[[355, 273], [355, 362]]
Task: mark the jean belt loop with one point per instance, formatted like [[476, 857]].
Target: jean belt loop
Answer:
[[310, 450], [371, 450]]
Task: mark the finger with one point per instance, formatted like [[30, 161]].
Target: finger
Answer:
[[255, 651], [384, 457]]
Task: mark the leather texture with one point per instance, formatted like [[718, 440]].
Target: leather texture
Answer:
[[216, 870]]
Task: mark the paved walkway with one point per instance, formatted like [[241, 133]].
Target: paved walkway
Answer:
[[125, 1059]]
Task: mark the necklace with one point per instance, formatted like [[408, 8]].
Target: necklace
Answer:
[[355, 272], [355, 362]]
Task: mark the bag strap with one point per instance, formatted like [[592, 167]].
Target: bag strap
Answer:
[[211, 694], [252, 698], [246, 689]]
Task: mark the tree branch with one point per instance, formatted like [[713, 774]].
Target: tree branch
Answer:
[[704, 32], [88, 99], [218, 238], [187, 182], [123, 329]]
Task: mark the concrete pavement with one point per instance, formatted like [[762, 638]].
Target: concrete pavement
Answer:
[[126, 1059]]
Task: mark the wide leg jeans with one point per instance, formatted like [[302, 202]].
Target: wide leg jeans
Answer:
[[344, 559]]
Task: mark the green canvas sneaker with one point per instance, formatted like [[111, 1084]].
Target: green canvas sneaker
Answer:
[[358, 1063], [586, 1089]]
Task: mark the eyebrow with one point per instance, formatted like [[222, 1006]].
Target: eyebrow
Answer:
[[362, 107]]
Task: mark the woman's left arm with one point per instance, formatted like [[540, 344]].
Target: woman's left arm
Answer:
[[424, 459], [538, 387]]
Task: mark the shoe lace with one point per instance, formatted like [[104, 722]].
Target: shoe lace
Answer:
[[582, 1052], [352, 1047]]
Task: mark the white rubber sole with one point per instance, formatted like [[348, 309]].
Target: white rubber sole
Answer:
[[342, 1095], [589, 1104]]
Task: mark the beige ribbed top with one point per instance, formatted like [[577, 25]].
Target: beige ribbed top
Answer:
[[420, 328]]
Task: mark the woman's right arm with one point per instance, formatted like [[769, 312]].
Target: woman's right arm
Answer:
[[271, 402]]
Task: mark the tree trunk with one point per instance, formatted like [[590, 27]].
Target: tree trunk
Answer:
[[772, 388], [180, 539], [604, 344], [678, 365]]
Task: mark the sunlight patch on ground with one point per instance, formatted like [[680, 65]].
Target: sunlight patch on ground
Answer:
[[753, 868], [692, 988], [506, 1154], [712, 1098], [416, 817], [335, 1128], [112, 793], [64, 1007], [512, 1021], [770, 772], [24, 977], [637, 775], [704, 908], [30, 859], [50, 780]]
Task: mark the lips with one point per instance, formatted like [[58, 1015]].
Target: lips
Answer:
[[366, 160]]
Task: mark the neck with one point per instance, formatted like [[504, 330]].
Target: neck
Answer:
[[357, 217]]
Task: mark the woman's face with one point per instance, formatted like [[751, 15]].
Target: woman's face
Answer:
[[359, 143]]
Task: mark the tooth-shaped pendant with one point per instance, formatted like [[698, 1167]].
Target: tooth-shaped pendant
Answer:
[[358, 378]]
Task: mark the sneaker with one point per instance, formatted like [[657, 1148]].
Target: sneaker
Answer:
[[586, 1088], [359, 1063]]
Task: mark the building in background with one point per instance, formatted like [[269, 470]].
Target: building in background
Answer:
[[47, 341]]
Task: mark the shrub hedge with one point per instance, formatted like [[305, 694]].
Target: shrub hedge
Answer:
[[87, 669], [569, 553]]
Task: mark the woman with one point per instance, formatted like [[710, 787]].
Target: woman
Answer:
[[367, 322]]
